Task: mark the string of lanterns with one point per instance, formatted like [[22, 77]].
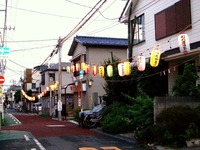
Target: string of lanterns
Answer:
[[52, 87], [30, 98], [124, 68]]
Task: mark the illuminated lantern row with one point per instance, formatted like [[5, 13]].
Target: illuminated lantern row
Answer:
[[30, 98], [51, 87], [124, 68], [184, 44], [155, 57]]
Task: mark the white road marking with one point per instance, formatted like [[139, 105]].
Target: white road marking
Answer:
[[26, 138], [55, 125], [15, 119], [39, 144], [72, 121]]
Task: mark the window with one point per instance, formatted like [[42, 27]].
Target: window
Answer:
[[33, 85], [173, 19], [43, 79], [139, 30], [52, 77]]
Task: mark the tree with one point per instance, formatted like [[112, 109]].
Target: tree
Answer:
[[116, 86], [148, 81], [17, 96], [185, 84]]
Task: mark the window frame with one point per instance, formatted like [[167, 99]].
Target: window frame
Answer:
[[139, 32]]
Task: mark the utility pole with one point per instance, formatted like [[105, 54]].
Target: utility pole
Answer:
[[59, 46]]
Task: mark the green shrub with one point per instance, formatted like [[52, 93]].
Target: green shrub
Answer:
[[141, 116], [115, 119], [176, 124], [76, 114]]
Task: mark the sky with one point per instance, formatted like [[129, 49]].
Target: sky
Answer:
[[36, 26]]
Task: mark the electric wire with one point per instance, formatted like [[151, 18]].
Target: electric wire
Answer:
[[32, 48], [78, 26], [73, 31], [24, 41]]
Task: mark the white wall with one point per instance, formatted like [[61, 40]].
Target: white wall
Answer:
[[151, 7]]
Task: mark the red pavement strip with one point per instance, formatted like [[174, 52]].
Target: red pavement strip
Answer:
[[47, 127]]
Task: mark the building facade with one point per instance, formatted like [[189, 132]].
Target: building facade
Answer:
[[158, 24], [93, 51]]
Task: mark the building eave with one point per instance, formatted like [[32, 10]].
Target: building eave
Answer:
[[124, 15], [180, 55]]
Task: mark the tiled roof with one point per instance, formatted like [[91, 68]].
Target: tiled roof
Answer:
[[98, 41], [103, 41]]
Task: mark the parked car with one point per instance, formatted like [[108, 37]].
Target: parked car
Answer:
[[37, 107]]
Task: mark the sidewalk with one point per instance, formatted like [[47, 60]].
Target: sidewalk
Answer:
[[11, 120], [11, 134]]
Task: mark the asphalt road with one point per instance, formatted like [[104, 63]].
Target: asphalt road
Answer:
[[39, 133]]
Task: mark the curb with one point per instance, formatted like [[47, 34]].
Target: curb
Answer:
[[117, 136]]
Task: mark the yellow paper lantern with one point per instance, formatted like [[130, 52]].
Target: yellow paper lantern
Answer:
[[141, 63], [120, 67], [87, 68], [127, 68], [47, 88], [52, 87], [83, 66], [101, 71], [155, 58], [184, 44], [109, 70]]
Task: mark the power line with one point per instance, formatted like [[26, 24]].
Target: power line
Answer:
[[83, 21], [91, 7], [33, 48], [78, 4], [23, 41], [73, 31], [41, 13], [17, 64]]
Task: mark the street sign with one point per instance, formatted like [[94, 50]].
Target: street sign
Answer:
[[59, 105], [2, 79], [4, 52]]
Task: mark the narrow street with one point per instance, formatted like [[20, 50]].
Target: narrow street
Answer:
[[40, 133]]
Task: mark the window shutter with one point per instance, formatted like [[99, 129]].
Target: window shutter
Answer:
[[160, 25], [183, 14], [170, 20], [186, 10], [179, 16]]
